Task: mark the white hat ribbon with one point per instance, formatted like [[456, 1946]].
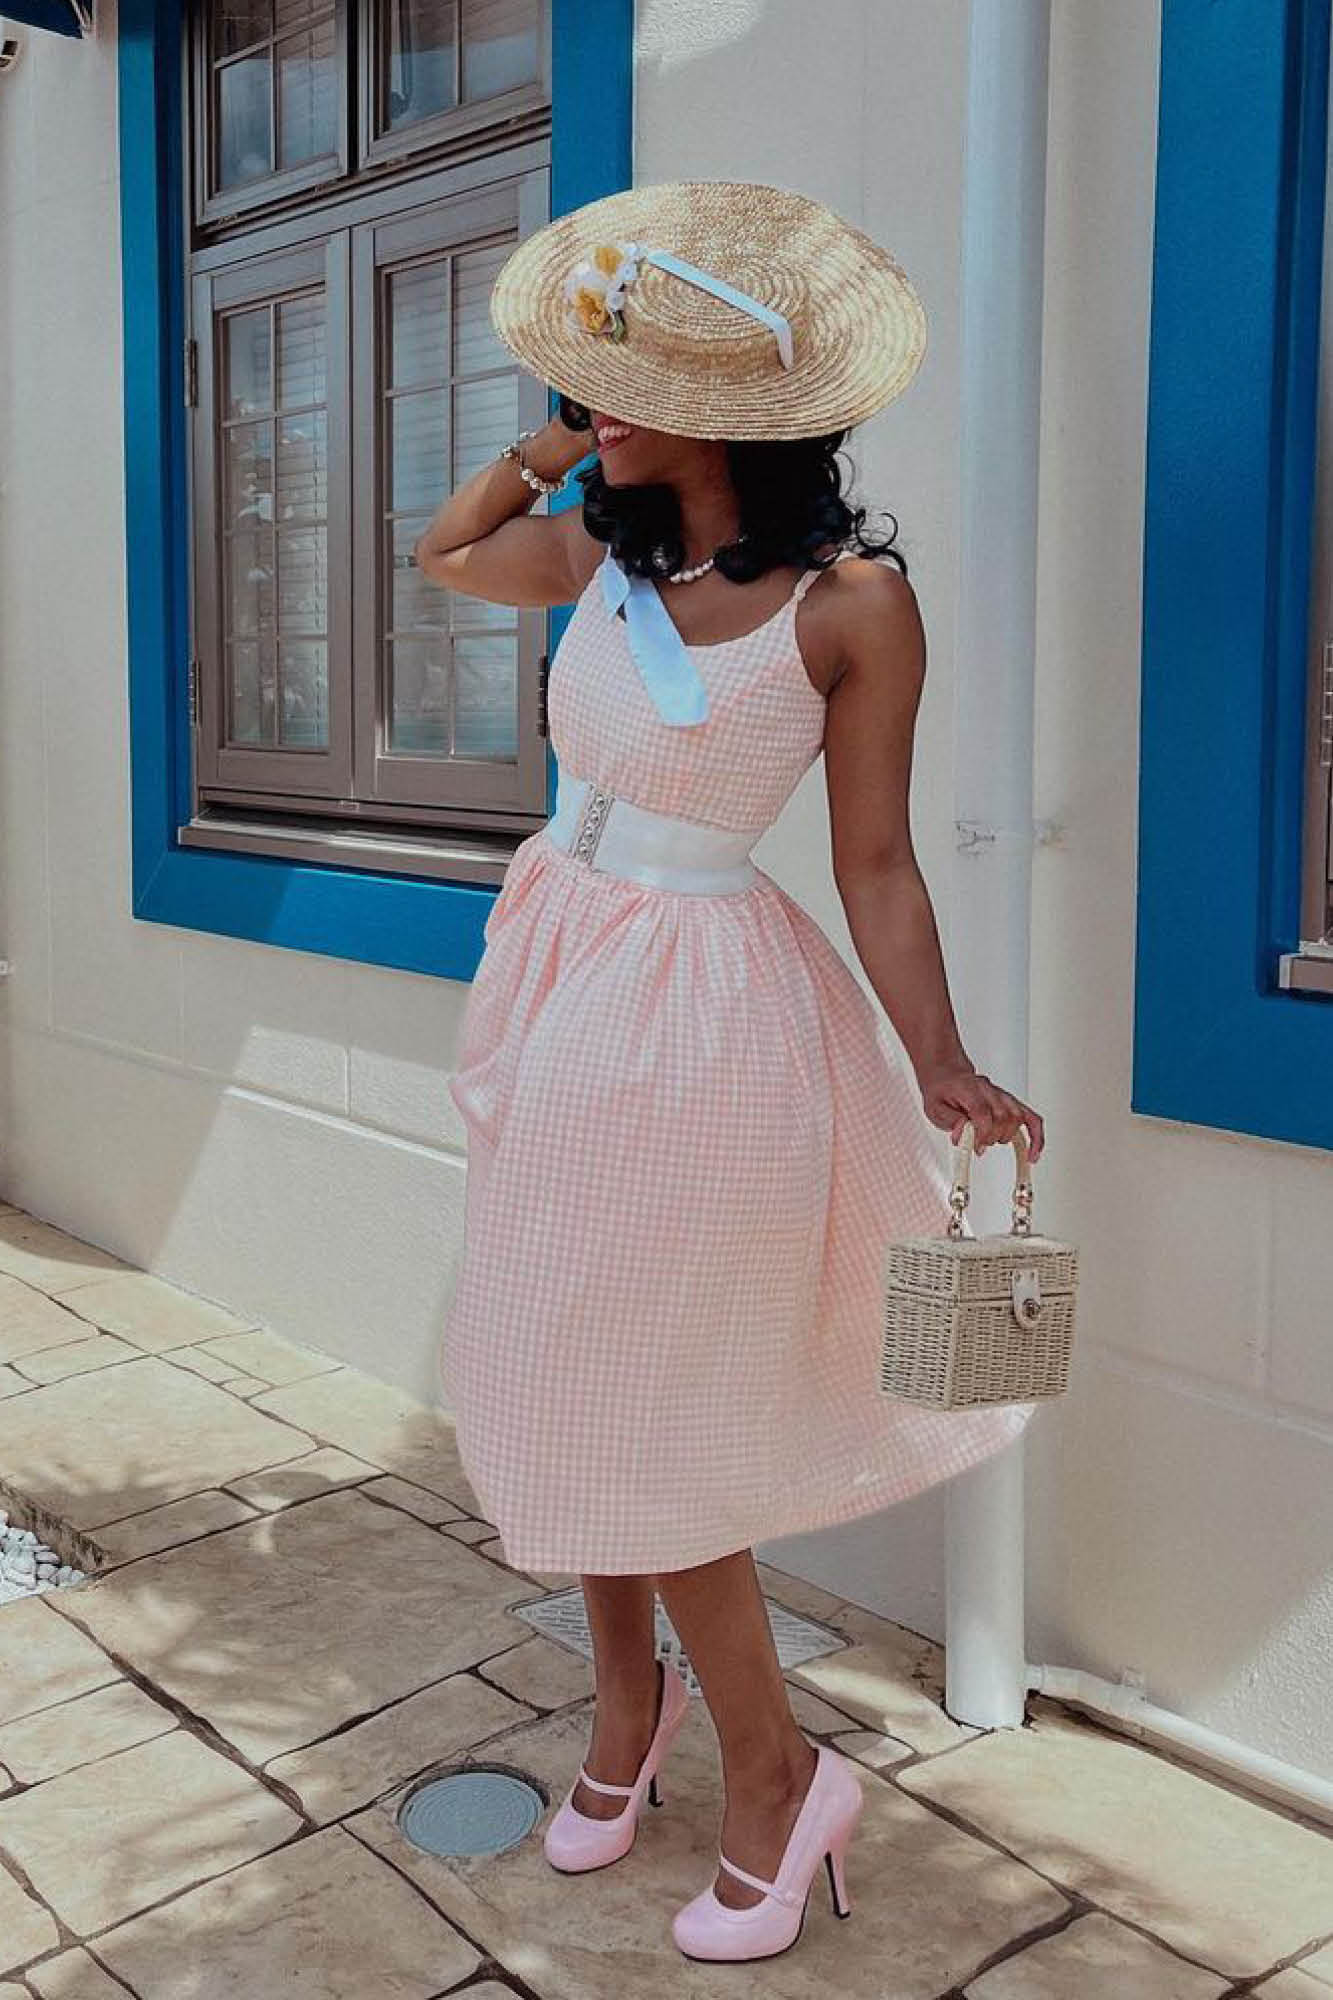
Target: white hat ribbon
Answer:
[[720, 289]]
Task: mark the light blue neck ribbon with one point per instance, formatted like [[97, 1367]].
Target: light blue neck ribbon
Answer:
[[660, 654]]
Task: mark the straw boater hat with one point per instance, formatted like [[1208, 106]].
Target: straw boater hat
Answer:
[[714, 309]]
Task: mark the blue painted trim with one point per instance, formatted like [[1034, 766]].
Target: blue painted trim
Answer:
[[1227, 544], [57, 15], [415, 924]]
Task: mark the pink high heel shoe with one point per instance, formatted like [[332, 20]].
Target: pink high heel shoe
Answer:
[[574, 1841], [705, 1928]]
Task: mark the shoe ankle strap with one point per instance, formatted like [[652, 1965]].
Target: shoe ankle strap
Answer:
[[769, 1888], [596, 1785]]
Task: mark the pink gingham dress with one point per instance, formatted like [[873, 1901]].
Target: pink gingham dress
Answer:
[[687, 1148]]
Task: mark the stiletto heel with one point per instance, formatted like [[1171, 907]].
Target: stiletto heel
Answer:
[[709, 1929], [574, 1841], [837, 1883]]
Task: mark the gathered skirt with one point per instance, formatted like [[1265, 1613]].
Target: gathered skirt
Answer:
[[688, 1147]]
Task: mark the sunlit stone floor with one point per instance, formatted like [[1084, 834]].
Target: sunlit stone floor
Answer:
[[297, 1613]]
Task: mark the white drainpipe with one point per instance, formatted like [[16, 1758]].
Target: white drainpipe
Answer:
[[986, 1670], [1004, 181]]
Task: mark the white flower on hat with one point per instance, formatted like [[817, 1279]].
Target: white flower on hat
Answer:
[[595, 289]]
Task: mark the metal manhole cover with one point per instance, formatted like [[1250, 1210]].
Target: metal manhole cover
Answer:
[[471, 1812]]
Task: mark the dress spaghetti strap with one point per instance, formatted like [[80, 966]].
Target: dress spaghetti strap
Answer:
[[808, 578]]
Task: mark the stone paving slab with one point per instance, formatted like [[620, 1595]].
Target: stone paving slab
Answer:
[[1293, 1984], [124, 1439], [412, 1499], [49, 1258], [273, 1360], [167, 1527], [320, 1471], [542, 1674], [380, 1424], [361, 1764], [75, 1357], [1214, 1874], [110, 1838], [72, 1976], [319, 1920], [44, 1659], [75, 1732], [888, 1678], [154, 1315], [30, 1322], [25, 1927], [200, 1361], [287, 1627], [929, 1903], [1095, 1958]]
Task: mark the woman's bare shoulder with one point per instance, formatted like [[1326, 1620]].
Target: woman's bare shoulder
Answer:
[[859, 608]]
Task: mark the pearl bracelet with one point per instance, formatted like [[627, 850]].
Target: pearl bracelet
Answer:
[[534, 479]]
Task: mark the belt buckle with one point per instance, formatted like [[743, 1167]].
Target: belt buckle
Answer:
[[591, 821]]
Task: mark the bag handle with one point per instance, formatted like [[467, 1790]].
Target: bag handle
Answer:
[[1021, 1199]]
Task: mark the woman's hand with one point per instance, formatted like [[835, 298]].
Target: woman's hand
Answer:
[[952, 1096]]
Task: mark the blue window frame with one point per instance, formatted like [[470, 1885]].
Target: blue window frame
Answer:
[[1230, 488], [395, 920], [62, 17]]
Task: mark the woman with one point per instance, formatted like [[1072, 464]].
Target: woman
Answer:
[[687, 1147]]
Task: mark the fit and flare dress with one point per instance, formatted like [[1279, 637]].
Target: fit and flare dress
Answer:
[[688, 1144]]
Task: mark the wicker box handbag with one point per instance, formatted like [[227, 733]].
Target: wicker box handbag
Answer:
[[973, 1320]]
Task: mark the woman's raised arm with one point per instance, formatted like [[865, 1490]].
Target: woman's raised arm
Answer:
[[482, 542]]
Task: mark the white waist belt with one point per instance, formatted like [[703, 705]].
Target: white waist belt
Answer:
[[615, 835]]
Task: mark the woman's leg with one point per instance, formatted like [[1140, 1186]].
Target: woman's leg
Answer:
[[767, 1763], [620, 1617]]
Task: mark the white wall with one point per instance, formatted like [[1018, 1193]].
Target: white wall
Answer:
[[217, 1110], [267, 1127], [1189, 1533]]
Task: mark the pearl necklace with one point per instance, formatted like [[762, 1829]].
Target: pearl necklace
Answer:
[[688, 575]]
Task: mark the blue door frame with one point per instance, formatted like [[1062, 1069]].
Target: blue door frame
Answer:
[[1227, 547], [418, 925]]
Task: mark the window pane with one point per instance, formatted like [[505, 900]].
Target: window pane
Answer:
[[247, 471], [419, 699], [499, 45], [251, 692], [239, 23], [303, 467], [419, 447], [250, 583], [418, 60], [249, 363], [304, 680], [477, 346], [419, 325], [245, 136], [275, 597], [486, 700], [307, 94], [303, 581], [485, 418], [417, 604], [302, 358], [451, 659]]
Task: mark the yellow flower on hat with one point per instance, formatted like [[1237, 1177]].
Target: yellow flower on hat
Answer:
[[595, 289]]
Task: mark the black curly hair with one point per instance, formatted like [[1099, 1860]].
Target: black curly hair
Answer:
[[791, 504]]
